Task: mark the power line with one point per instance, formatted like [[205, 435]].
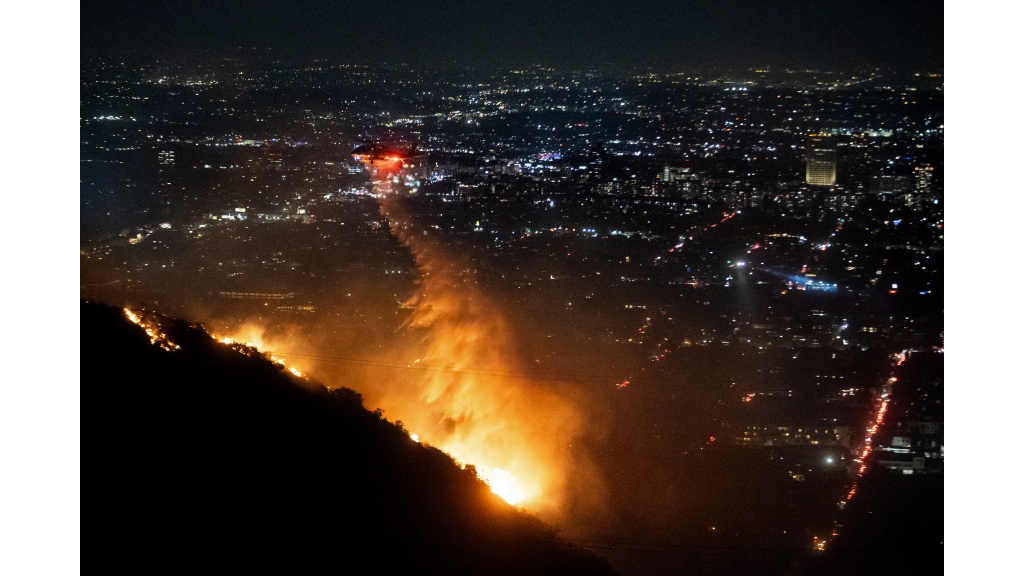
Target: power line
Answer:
[[587, 379], [749, 552]]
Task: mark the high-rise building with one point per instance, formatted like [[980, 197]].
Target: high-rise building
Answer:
[[894, 185], [166, 157], [821, 161], [923, 178], [680, 180]]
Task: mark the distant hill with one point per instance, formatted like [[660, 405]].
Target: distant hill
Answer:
[[209, 460]]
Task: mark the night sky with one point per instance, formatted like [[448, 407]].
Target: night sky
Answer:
[[827, 35]]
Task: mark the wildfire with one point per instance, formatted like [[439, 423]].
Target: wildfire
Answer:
[[250, 337], [504, 484], [470, 403], [156, 335], [515, 434]]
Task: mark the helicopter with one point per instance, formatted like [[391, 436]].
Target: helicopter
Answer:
[[376, 154]]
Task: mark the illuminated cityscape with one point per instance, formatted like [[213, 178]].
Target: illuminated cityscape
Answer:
[[684, 305], [716, 287]]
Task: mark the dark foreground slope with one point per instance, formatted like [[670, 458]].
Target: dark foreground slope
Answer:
[[211, 460]]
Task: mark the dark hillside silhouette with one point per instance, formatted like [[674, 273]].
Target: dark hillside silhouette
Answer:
[[214, 461]]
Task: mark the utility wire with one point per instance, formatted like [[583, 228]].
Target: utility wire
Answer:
[[750, 552], [706, 385]]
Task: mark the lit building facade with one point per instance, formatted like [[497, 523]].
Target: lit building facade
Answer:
[[821, 161]]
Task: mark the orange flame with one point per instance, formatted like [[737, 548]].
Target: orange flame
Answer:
[[254, 336], [156, 335]]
